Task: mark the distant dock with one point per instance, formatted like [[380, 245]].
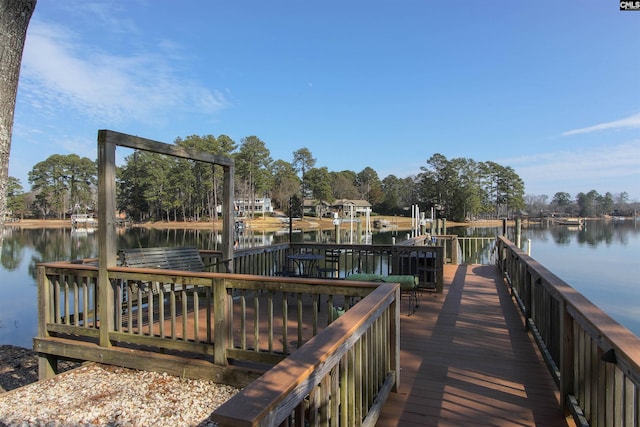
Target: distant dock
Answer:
[[83, 221]]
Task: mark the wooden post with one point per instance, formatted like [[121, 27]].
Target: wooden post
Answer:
[[228, 221], [454, 251], [566, 358], [106, 234], [222, 318], [394, 339], [47, 365], [440, 272]]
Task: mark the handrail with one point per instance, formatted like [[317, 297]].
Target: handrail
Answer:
[[146, 297], [259, 320], [344, 384], [476, 250], [594, 360], [372, 259]]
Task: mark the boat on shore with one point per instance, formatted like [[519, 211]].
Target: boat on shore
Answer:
[[379, 224]]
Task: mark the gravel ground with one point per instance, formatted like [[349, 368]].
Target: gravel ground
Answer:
[[101, 395], [19, 367]]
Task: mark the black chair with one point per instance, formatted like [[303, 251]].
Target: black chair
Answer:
[[331, 267]]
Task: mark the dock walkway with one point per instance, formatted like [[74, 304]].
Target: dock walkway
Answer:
[[467, 360]]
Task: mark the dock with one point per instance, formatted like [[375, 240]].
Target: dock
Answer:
[[504, 342], [466, 359]]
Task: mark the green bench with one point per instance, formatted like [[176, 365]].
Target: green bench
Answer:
[[408, 285]]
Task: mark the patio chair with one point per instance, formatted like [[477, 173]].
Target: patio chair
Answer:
[[331, 268]]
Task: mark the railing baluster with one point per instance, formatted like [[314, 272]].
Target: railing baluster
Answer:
[[76, 301], [185, 310], [85, 302], [285, 324], [150, 305], [173, 309], [243, 320], [117, 306], [129, 308], [270, 320], [139, 307], [299, 318], [196, 316], [161, 318], [256, 322], [66, 299], [314, 315]]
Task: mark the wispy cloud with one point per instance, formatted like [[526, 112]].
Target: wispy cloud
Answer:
[[60, 71], [631, 122], [613, 168]]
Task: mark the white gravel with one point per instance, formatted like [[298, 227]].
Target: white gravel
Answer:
[[99, 395]]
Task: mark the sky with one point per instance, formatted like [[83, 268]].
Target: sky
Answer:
[[550, 88]]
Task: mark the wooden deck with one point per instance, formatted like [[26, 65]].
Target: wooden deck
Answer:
[[467, 360]]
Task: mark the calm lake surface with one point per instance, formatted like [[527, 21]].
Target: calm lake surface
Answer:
[[601, 261]]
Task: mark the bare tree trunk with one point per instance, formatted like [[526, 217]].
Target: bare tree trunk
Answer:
[[14, 20]]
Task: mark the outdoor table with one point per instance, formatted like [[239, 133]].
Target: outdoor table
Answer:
[[307, 264]]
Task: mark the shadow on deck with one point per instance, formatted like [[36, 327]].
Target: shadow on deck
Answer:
[[466, 359]]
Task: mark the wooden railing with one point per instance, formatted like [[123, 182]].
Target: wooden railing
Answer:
[[165, 308], [476, 250], [594, 360], [196, 324], [208, 325], [345, 386], [421, 260]]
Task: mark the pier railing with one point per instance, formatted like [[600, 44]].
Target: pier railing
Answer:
[[594, 360], [460, 249], [424, 261], [256, 316], [476, 250], [340, 377], [338, 338]]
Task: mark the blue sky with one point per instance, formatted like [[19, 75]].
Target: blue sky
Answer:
[[550, 88]]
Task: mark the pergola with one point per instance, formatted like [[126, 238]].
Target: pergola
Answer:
[[107, 142]]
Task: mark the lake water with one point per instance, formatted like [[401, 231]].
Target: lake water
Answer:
[[600, 261]]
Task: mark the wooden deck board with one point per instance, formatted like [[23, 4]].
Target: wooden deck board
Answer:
[[466, 359]]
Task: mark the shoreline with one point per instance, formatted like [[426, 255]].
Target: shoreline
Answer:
[[261, 224]]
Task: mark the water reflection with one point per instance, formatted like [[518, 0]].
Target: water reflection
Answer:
[[54, 244], [594, 233], [604, 252], [57, 244]]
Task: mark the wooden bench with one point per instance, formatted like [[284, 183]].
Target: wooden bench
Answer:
[[167, 258], [178, 258], [408, 285]]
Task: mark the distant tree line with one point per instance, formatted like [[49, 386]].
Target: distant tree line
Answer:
[[157, 187], [588, 205]]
